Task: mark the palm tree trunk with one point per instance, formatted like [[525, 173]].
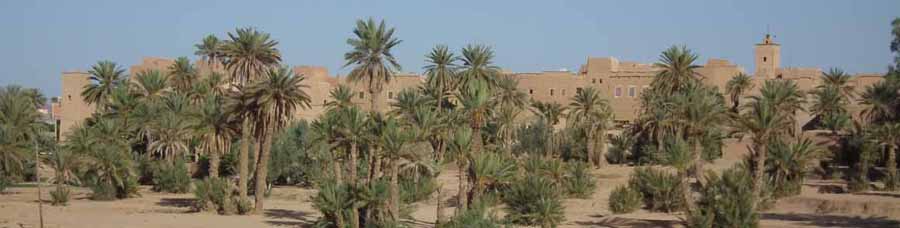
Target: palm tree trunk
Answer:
[[243, 166], [477, 144], [697, 169], [686, 193], [590, 148], [759, 172], [601, 156], [262, 168], [461, 199], [891, 166], [659, 141], [440, 206], [442, 147], [214, 160], [395, 191], [354, 213]]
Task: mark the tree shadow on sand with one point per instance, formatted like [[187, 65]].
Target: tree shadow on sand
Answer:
[[627, 222], [822, 220], [176, 202], [282, 217]]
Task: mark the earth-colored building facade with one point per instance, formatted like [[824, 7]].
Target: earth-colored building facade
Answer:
[[620, 82]]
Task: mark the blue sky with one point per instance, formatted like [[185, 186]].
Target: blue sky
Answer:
[[43, 38]]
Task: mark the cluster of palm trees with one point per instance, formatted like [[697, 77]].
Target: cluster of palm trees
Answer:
[[22, 131]]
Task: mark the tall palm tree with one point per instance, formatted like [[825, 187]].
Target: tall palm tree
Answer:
[[736, 88], [352, 128], [249, 53], [341, 98], [827, 102], [888, 136], [839, 80], [475, 100], [151, 87], [880, 101], [394, 141], [105, 75], [215, 127], [697, 110], [441, 72], [478, 64], [592, 114], [507, 93], [278, 96], [678, 69], [407, 102], [506, 120], [787, 99], [549, 113], [371, 57], [210, 49], [182, 75], [461, 146], [172, 133], [763, 122]]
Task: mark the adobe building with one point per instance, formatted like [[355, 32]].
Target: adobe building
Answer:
[[620, 82]]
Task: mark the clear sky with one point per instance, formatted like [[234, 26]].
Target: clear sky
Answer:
[[40, 39]]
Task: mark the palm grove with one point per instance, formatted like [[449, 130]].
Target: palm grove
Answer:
[[370, 167]]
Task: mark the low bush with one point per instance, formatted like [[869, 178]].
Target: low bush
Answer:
[[215, 194], [412, 191], [534, 201], [5, 182], [477, 217], [579, 182], [624, 199], [60, 196], [103, 192], [660, 189], [172, 178], [332, 201], [726, 201]]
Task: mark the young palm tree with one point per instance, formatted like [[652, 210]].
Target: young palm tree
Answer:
[[105, 75], [352, 128], [787, 99], [593, 115], [888, 135], [475, 100], [790, 163], [828, 101], [478, 64], [14, 152], [880, 101], [678, 69], [248, 54], [122, 104], [441, 72], [836, 78], [394, 142], [736, 88], [507, 127], [461, 146], [680, 156], [508, 94], [549, 113], [762, 121], [215, 127], [341, 98], [697, 110], [371, 57], [278, 96], [182, 75], [491, 169], [407, 102], [210, 49], [172, 134], [150, 87]]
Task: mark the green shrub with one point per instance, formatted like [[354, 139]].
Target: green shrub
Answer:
[[726, 201], [103, 192], [624, 199], [579, 181], [5, 182], [412, 191], [475, 217], [332, 201], [60, 196], [172, 178], [534, 201], [216, 194], [660, 189]]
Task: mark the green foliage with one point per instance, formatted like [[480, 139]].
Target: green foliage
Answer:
[[726, 201], [660, 189], [333, 201], [579, 182], [60, 196], [294, 154], [531, 139], [477, 216], [216, 194], [172, 178], [5, 182], [788, 164], [622, 145], [624, 199], [413, 190], [534, 200]]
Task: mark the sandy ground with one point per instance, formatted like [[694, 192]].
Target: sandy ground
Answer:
[[290, 207]]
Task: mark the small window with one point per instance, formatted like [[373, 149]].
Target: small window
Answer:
[[70, 97], [764, 59], [618, 91], [390, 95], [324, 102], [631, 91], [578, 90], [530, 91], [362, 95], [594, 81], [564, 92], [551, 92]]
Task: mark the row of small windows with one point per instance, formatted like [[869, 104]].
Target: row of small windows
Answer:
[[553, 91], [632, 90]]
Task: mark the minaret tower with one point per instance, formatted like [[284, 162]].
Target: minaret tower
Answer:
[[767, 58]]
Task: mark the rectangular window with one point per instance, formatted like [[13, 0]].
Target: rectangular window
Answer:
[[594, 81], [362, 95], [530, 91], [551, 92], [618, 91], [564, 92], [390, 95], [578, 90], [631, 91]]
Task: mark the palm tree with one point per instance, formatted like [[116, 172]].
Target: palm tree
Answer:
[[407, 102], [475, 100], [105, 75], [394, 142], [461, 146], [278, 95], [441, 71], [736, 88], [678, 69], [215, 127], [763, 122], [341, 98], [789, 164], [352, 127], [880, 101], [172, 134], [549, 113], [888, 135], [371, 57], [506, 120], [150, 86], [13, 153], [592, 114], [478, 64], [680, 157], [122, 104], [491, 169], [182, 75], [249, 53], [697, 110], [836, 78], [210, 49], [508, 94], [787, 99]]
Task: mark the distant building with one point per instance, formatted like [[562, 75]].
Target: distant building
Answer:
[[620, 82]]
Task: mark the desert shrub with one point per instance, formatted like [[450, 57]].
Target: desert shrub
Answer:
[[788, 164], [552, 169], [172, 178], [103, 191], [531, 139], [660, 189], [622, 145], [624, 199], [294, 154], [412, 190], [332, 201], [579, 182], [146, 169], [60, 196], [5, 182], [475, 217], [711, 144], [726, 201], [216, 194], [534, 201]]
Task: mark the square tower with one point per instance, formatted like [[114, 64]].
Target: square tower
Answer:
[[73, 109], [767, 58]]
